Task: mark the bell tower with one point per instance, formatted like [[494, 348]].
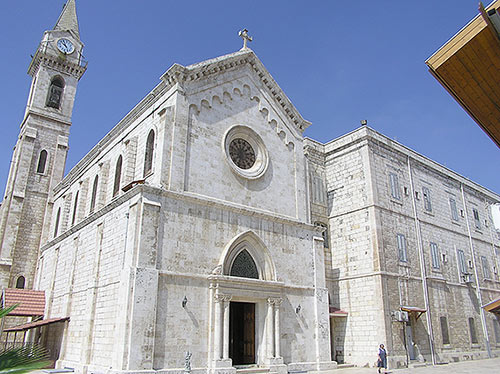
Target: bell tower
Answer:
[[39, 155]]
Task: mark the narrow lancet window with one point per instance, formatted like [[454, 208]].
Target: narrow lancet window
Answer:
[[148, 158], [55, 93], [58, 218], [42, 161], [94, 194], [75, 208], [118, 176]]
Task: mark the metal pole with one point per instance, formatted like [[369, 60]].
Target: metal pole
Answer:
[[422, 267], [478, 288]]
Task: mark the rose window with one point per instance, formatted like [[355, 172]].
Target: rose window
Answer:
[[242, 153]]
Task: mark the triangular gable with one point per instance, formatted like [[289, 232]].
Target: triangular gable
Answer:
[[178, 73]]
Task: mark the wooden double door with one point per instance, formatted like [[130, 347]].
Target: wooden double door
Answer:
[[242, 333]]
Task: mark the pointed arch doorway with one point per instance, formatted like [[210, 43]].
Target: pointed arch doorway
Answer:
[[246, 299], [242, 314]]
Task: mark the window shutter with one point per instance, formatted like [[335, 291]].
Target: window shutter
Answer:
[[393, 178], [427, 199], [453, 208]]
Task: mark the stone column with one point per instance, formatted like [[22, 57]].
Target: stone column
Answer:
[[218, 327], [270, 328], [225, 340], [277, 339]]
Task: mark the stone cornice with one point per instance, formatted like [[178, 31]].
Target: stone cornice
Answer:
[[177, 75], [115, 132], [371, 137], [56, 63], [193, 198]]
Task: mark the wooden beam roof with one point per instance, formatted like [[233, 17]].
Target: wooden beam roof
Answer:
[[468, 67]]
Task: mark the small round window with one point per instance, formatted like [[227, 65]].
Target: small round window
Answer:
[[245, 152]]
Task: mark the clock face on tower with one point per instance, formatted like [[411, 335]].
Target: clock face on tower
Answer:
[[65, 46]]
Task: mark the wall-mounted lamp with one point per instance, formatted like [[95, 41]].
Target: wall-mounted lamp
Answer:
[[184, 302], [297, 310]]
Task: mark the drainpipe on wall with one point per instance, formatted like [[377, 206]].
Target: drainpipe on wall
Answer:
[[476, 275], [420, 247]]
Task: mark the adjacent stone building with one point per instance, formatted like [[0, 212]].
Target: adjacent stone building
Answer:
[[205, 222], [406, 235]]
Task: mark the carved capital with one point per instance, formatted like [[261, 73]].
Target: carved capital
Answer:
[[221, 298]]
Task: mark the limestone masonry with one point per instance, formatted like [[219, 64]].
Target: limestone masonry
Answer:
[[205, 222]]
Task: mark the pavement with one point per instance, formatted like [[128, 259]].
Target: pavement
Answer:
[[488, 366]]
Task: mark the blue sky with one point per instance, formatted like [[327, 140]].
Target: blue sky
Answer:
[[338, 62]]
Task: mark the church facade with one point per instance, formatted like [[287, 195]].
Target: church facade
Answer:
[[205, 233]]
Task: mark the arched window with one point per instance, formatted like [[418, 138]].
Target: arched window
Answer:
[[244, 266], [20, 282], [118, 175], [148, 158], [42, 161], [94, 194], [55, 93], [75, 208], [56, 226], [324, 233]]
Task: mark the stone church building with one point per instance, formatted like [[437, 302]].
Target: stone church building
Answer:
[[205, 222]]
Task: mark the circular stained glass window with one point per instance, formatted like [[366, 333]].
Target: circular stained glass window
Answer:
[[242, 153], [245, 152]]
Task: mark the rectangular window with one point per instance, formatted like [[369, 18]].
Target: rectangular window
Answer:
[[472, 329], [427, 199], [496, 327], [444, 330], [477, 222], [486, 267], [435, 256], [453, 208], [461, 261], [318, 190], [393, 178], [402, 248]]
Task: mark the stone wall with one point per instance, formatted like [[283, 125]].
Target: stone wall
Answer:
[[367, 212]]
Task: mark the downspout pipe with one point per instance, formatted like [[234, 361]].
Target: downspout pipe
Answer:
[[420, 247], [476, 275]]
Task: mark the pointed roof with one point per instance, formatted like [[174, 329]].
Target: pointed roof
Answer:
[[68, 19]]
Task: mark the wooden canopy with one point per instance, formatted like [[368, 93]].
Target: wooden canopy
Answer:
[[468, 66], [493, 306]]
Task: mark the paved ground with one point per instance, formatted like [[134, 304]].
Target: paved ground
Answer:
[[491, 366]]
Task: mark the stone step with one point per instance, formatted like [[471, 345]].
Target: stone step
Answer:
[[54, 371], [252, 370], [345, 366], [417, 364]]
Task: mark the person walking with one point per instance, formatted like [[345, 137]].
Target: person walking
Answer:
[[382, 358]]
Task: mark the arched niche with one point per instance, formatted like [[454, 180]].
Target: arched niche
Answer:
[[239, 253]]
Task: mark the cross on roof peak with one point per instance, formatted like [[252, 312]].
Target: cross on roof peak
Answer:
[[243, 34]]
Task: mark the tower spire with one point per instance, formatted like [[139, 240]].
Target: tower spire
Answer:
[[68, 19]]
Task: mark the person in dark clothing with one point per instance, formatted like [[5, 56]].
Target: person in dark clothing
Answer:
[[382, 358]]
